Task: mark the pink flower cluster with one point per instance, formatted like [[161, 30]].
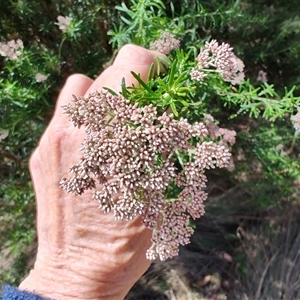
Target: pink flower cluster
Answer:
[[296, 120], [222, 59], [128, 160], [40, 77], [227, 136], [63, 23], [3, 134], [165, 44], [262, 76], [11, 49]]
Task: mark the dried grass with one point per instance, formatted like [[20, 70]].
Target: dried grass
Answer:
[[272, 260]]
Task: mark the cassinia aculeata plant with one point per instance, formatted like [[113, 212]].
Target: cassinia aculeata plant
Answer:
[[140, 161], [129, 159]]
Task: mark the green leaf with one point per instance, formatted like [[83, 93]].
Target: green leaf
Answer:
[[173, 108], [141, 82]]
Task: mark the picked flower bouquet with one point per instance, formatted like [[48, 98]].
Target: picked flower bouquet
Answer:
[[149, 160], [147, 149]]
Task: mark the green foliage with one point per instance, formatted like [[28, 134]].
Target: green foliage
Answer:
[[191, 21], [272, 141], [267, 39], [270, 164], [264, 34]]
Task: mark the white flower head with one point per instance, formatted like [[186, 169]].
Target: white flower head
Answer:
[[165, 44], [220, 58], [262, 76], [296, 121], [40, 77], [63, 23], [11, 49]]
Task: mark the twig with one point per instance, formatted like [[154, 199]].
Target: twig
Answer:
[[10, 156], [258, 291]]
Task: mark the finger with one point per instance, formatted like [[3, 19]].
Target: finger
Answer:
[[76, 84], [130, 58]]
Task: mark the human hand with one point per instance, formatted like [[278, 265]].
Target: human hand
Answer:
[[83, 253]]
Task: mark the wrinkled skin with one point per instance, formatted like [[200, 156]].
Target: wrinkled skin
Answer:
[[82, 252]]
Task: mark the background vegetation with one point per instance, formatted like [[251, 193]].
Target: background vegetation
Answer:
[[251, 226]]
